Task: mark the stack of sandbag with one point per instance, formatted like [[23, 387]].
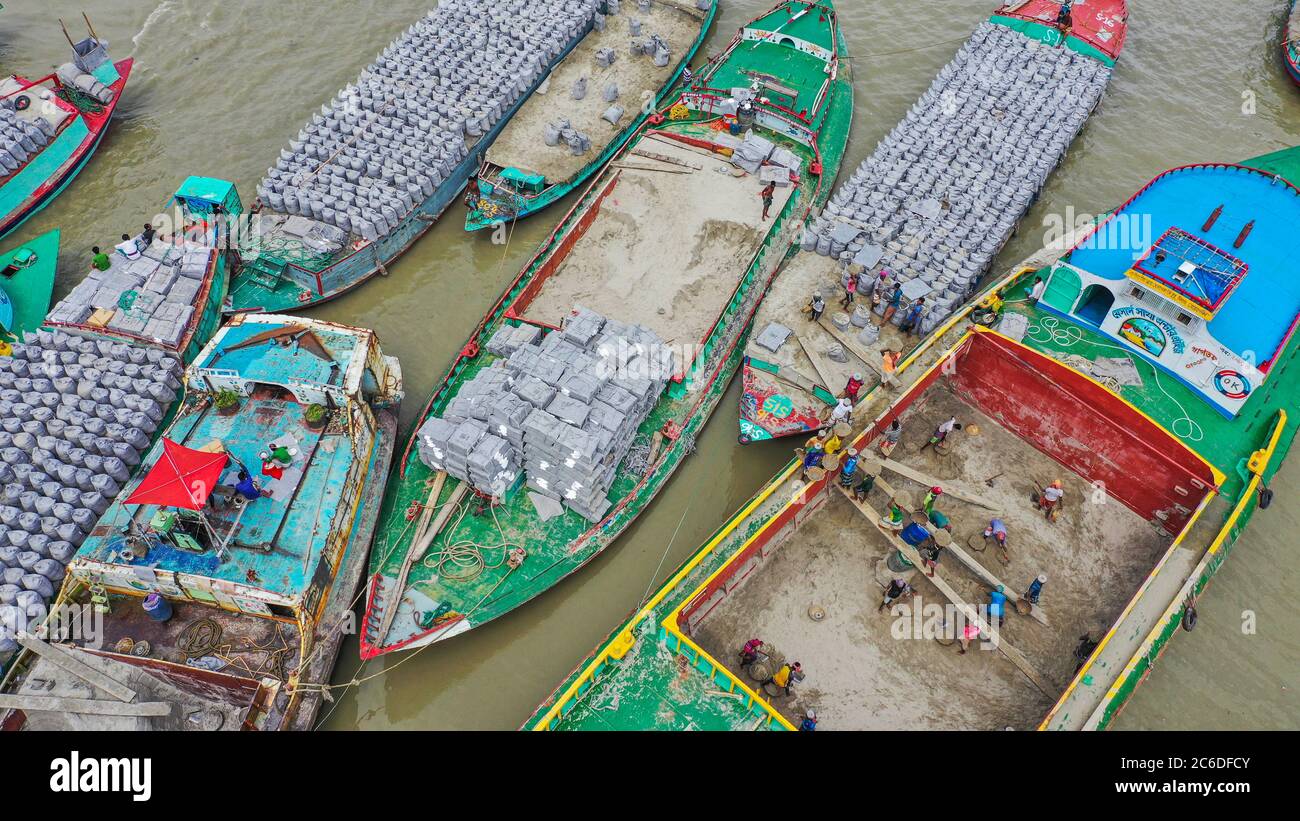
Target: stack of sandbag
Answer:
[[562, 409], [72, 76], [387, 142], [76, 416], [945, 189]]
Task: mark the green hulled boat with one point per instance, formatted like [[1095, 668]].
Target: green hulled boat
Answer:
[[27, 284], [523, 174], [1168, 358], [696, 248]]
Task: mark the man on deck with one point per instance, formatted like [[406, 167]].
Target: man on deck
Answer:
[[843, 410], [941, 432], [816, 306], [912, 319], [889, 440], [853, 386], [889, 367], [767, 193], [100, 260], [1050, 497]]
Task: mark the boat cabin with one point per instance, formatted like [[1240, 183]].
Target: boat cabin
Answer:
[[1195, 274], [225, 549]]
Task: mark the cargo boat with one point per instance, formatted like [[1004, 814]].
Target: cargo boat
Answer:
[[446, 560], [931, 207], [56, 123], [84, 395], [378, 165], [26, 285], [1181, 437], [1291, 42], [197, 588], [525, 170]]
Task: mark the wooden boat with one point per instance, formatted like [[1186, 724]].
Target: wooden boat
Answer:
[[303, 253], [26, 285], [446, 560], [74, 123], [170, 296], [198, 589], [521, 174], [1182, 443], [919, 214], [1291, 42]]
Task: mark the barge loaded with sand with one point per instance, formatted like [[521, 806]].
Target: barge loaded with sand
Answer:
[[932, 206], [591, 102], [1127, 380], [1291, 42], [584, 388], [50, 127], [223, 582], [82, 398], [377, 166]]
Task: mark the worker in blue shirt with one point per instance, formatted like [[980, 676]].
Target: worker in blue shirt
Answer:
[[1036, 588], [809, 723], [998, 605]]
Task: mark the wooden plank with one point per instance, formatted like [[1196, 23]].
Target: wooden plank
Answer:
[[851, 345], [641, 152], [972, 615], [815, 359], [65, 660], [956, 492], [85, 706], [993, 581], [703, 152], [419, 544], [684, 7], [631, 167]]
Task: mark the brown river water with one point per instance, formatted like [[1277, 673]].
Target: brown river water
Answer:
[[218, 89]]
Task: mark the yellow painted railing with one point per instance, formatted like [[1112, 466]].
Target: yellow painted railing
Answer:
[[1258, 465]]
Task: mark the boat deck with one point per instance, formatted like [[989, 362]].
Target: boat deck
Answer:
[[861, 673], [29, 289], [248, 646], [520, 144], [276, 540], [654, 252]]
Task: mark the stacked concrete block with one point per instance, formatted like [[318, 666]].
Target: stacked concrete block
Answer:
[[943, 192], [152, 297], [387, 142], [562, 409], [76, 416]]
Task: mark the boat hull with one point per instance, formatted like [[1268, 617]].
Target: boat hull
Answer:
[[250, 296], [723, 350], [476, 221], [40, 181]]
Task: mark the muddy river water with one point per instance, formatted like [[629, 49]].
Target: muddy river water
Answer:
[[218, 89]]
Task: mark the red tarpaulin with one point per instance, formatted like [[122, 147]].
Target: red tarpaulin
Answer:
[[182, 478]]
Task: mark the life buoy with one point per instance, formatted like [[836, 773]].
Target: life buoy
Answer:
[[1189, 618], [1265, 498], [22, 102]]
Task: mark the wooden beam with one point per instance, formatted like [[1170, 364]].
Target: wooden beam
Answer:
[[65, 660], [420, 541], [817, 364], [852, 347], [972, 615], [929, 481], [641, 152], [684, 7], [993, 581], [85, 706], [631, 167]]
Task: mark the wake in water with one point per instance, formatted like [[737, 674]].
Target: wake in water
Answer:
[[154, 16]]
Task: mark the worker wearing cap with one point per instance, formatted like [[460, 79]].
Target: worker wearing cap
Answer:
[[843, 410], [1036, 588], [850, 467], [853, 387], [1050, 496], [809, 723], [998, 604], [931, 496]]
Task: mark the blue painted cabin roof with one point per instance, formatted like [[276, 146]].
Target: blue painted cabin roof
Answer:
[[1258, 314], [294, 523]]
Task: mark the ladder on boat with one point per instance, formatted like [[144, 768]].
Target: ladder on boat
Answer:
[[265, 273]]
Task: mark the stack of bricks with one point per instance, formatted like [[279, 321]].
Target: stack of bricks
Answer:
[[562, 409]]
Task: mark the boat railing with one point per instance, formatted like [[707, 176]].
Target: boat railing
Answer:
[[1143, 658]]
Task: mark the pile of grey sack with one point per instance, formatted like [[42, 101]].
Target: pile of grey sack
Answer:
[[383, 145], [562, 409], [162, 287], [76, 415], [74, 76], [20, 139], [944, 191]]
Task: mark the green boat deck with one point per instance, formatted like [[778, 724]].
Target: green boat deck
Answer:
[[27, 281], [464, 579]]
